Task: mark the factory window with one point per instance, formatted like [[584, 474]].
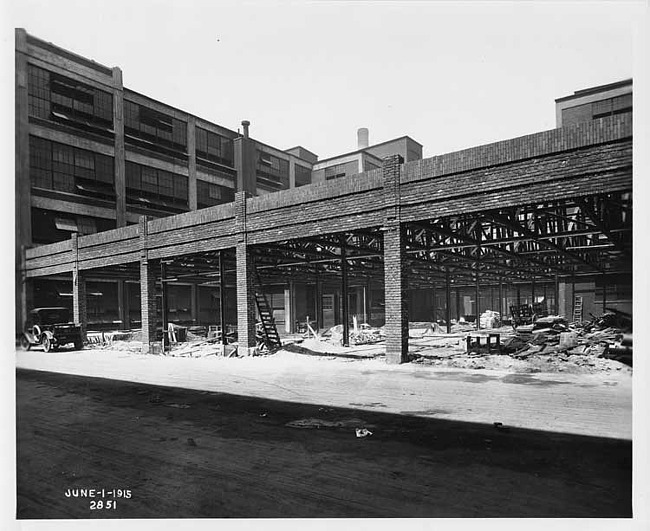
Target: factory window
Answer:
[[303, 175], [369, 166], [213, 147], [154, 130], [61, 99], [65, 168], [157, 188], [612, 106], [210, 194], [334, 172], [49, 226], [272, 172]]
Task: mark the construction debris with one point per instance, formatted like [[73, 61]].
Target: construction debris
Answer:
[[312, 423]]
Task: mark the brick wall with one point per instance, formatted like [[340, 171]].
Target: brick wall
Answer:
[[526, 147]]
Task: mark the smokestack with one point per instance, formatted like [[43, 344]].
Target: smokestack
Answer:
[[245, 124], [362, 137]]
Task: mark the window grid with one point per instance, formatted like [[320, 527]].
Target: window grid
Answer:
[[210, 194], [272, 172], [65, 168], [154, 130], [214, 147], [303, 175], [151, 184], [56, 97]]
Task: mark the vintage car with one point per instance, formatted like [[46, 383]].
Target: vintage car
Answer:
[[51, 328]]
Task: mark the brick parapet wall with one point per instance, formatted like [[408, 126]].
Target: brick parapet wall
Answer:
[[600, 131], [352, 184]]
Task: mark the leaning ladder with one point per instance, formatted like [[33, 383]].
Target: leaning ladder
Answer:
[[577, 308], [269, 330]]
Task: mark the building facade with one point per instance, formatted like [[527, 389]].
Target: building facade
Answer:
[[595, 102], [93, 155]]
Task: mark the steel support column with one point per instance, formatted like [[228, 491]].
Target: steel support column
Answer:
[[222, 297], [344, 294], [478, 305], [448, 300], [163, 306]]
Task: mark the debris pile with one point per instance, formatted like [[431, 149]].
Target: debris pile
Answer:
[[202, 348], [577, 343]]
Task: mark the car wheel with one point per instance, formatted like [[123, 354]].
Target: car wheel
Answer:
[[47, 344], [24, 343]]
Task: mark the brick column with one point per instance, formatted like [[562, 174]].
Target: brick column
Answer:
[[119, 160], [395, 284], [245, 300], [245, 275], [147, 291], [79, 306], [191, 158]]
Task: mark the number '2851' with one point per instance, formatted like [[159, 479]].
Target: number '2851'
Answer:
[[100, 504]]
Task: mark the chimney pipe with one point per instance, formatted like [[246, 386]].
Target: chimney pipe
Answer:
[[362, 137], [245, 124]]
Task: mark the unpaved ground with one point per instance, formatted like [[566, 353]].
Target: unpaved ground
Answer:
[[187, 453], [596, 404]]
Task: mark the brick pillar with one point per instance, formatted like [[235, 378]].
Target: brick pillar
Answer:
[[245, 300], [148, 273], [395, 281], [245, 274], [191, 163], [79, 306], [119, 160]]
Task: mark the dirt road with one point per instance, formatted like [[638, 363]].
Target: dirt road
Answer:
[[586, 404], [187, 453]]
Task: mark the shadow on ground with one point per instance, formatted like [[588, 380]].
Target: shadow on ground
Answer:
[[198, 454]]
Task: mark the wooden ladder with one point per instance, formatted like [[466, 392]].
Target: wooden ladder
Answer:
[[269, 330], [577, 308]]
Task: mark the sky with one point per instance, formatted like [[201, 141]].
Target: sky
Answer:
[[449, 75]]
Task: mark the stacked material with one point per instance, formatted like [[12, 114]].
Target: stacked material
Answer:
[[490, 319]]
